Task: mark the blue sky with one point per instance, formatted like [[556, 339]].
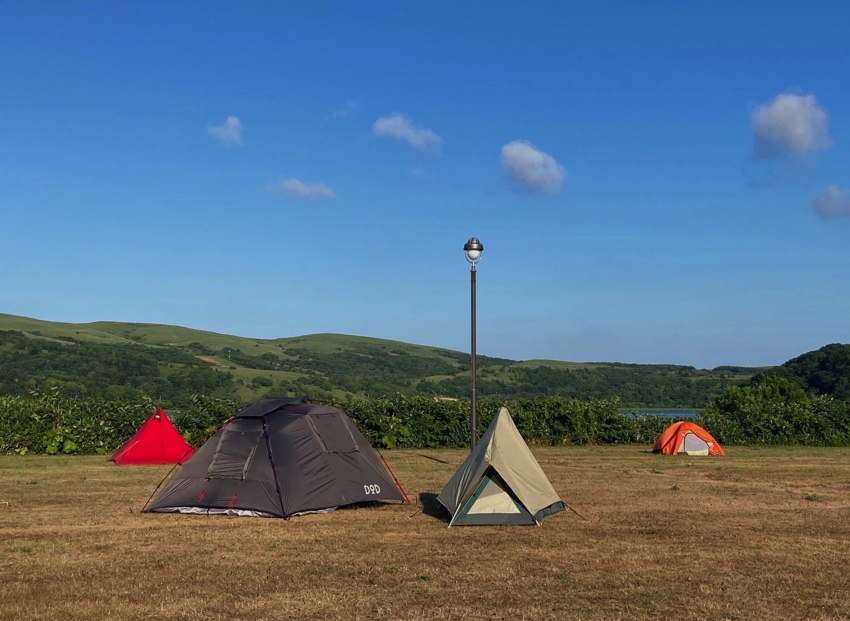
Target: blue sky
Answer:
[[653, 182]]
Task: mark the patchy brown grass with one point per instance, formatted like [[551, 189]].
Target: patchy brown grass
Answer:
[[761, 534]]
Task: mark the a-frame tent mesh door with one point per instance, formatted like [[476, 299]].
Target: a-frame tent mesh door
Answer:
[[492, 502]]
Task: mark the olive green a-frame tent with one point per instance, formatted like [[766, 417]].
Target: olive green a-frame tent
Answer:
[[500, 482]]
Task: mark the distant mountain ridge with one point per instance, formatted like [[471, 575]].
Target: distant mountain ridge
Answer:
[[169, 363]]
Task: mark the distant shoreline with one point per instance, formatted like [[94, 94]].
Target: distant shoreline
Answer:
[[668, 412]]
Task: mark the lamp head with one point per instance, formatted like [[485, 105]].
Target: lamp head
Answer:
[[473, 249]]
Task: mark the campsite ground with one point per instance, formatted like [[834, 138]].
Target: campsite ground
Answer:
[[761, 534]]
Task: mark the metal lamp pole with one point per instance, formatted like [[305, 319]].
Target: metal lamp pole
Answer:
[[473, 249]]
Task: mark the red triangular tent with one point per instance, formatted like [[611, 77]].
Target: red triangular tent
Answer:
[[677, 439], [156, 442]]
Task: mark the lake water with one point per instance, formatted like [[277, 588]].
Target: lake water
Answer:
[[669, 413]]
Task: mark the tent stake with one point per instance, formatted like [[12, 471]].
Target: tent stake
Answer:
[[576, 512]]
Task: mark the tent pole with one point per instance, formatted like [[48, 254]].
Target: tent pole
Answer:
[[179, 463], [392, 474], [274, 469], [375, 448]]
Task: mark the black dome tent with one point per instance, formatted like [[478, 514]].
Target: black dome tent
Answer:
[[279, 457]]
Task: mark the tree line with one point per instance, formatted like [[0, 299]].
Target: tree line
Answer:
[[111, 372], [171, 375]]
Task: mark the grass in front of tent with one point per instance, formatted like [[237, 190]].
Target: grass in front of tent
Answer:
[[761, 534]]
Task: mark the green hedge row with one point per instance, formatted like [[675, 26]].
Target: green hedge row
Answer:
[[422, 422], [775, 411], [50, 423]]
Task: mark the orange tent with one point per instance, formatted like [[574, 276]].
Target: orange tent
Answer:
[[686, 438]]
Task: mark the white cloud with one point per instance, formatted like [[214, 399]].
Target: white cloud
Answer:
[[789, 126], [308, 191], [350, 107], [228, 133], [832, 203], [400, 127], [533, 169]]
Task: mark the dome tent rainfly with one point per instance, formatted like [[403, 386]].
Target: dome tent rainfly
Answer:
[[156, 442], [500, 482], [279, 457], [686, 438]]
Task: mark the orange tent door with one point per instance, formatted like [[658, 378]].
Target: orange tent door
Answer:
[[674, 440]]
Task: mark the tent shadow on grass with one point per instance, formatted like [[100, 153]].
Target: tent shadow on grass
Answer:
[[432, 508]]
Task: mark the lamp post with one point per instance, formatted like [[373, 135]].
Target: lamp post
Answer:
[[473, 249]]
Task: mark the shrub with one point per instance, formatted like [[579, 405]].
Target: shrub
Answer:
[[777, 411]]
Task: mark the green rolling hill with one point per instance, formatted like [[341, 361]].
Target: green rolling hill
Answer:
[[169, 363]]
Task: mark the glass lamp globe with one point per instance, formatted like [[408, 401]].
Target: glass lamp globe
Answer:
[[473, 249]]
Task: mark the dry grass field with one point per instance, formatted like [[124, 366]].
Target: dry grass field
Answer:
[[761, 534]]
